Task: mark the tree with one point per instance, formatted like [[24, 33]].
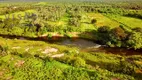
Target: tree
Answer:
[[119, 33], [93, 21], [74, 22], [103, 34], [10, 23], [104, 29], [138, 29]]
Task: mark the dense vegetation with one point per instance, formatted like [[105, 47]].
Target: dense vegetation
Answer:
[[116, 24], [26, 60]]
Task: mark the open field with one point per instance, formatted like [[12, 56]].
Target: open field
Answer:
[[103, 21], [128, 21]]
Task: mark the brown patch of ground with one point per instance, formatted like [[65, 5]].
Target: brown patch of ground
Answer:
[[19, 63]]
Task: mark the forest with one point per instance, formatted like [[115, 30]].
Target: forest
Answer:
[[70, 40]]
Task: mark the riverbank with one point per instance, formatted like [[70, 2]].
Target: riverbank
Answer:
[[55, 36], [72, 35]]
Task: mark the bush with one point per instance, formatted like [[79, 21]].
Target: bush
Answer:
[[78, 62], [49, 35], [137, 29], [93, 21], [74, 22], [4, 50], [118, 33], [103, 35], [50, 28], [104, 29], [135, 40]]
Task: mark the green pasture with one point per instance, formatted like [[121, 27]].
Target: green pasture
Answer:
[[127, 21], [102, 20]]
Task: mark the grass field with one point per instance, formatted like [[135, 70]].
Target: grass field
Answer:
[[103, 21], [85, 22], [128, 21]]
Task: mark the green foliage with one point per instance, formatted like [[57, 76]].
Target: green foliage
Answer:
[[103, 34], [4, 49], [93, 21], [113, 63], [78, 62], [9, 23], [137, 29], [49, 35], [17, 31], [104, 29], [29, 63], [74, 22], [119, 33], [119, 37], [75, 64], [135, 40]]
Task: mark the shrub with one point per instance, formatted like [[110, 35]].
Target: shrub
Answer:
[[49, 36], [118, 33], [78, 62], [74, 22], [93, 21], [104, 29], [4, 49], [135, 40], [137, 29]]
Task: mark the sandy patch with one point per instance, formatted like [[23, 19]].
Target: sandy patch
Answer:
[[57, 55], [50, 50], [19, 63], [17, 47]]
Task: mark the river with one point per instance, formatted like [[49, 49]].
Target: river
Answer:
[[83, 44]]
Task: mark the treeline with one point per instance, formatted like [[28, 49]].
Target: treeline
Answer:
[[126, 8], [122, 12], [11, 8]]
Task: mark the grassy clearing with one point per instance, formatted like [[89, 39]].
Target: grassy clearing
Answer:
[[102, 20], [128, 21], [85, 24]]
